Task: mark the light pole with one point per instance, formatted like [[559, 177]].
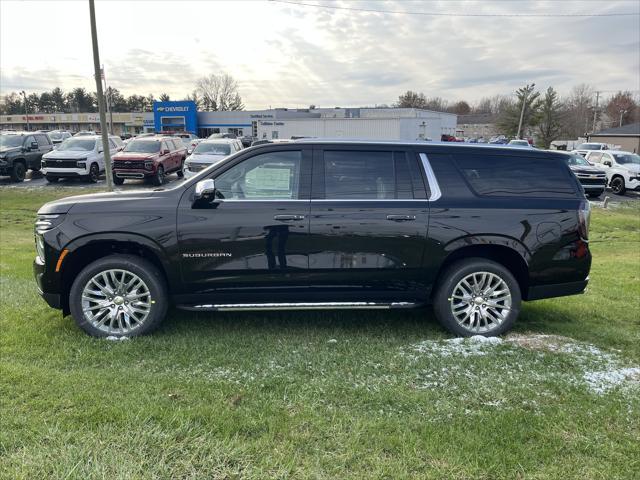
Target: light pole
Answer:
[[26, 110], [103, 117], [622, 112], [524, 102]]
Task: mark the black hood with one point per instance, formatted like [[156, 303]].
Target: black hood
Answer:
[[4, 150], [98, 202]]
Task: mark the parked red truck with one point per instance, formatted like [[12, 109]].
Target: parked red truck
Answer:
[[149, 158]]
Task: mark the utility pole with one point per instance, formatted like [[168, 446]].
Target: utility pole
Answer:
[[524, 103], [26, 110], [595, 113], [103, 117], [109, 98]]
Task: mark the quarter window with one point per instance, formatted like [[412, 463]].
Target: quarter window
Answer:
[[506, 176], [364, 175], [270, 176]]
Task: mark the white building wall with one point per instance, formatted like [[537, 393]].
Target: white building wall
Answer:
[[367, 129]]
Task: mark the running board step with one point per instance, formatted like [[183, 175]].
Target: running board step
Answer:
[[225, 307]]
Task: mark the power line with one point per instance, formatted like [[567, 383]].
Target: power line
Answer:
[[446, 14]]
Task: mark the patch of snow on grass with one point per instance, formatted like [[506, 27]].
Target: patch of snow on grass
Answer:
[[604, 381], [465, 347]]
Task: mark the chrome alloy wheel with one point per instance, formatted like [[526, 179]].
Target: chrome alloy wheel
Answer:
[[481, 302], [116, 301]]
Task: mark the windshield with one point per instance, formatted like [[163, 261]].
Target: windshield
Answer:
[[627, 159], [577, 161], [590, 146], [142, 146], [11, 140], [212, 149], [77, 145]]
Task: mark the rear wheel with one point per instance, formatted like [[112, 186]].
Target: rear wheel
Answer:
[[94, 173], [158, 178], [477, 296], [18, 172], [118, 180], [617, 185], [119, 295]]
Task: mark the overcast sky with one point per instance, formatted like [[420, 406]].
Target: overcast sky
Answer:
[[287, 55]]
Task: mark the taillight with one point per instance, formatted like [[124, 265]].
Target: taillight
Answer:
[[584, 217]]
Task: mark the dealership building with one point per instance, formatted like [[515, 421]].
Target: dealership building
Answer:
[[279, 123]]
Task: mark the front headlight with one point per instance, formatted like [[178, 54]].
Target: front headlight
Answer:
[[44, 223], [148, 165], [81, 165]]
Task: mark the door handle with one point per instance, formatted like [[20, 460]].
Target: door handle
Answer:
[[401, 218], [285, 218]]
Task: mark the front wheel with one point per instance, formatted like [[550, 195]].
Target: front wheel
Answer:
[[118, 180], [477, 296], [119, 295], [94, 173], [18, 172], [617, 186], [158, 178], [52, 179]]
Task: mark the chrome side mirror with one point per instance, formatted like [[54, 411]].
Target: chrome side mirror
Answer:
[[204, 188]]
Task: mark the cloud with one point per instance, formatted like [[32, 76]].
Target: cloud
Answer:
[[284, 55]]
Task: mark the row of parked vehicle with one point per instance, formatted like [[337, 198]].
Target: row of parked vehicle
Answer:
[[147, 156]]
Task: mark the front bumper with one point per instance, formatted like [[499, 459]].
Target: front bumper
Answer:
[[133, 173], [52, 299], [65, 172]]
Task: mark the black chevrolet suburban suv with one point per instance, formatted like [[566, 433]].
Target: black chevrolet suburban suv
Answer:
[[472, 230], [21, 151]]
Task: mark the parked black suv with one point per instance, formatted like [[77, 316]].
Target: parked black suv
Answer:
[[21, 151], [318, 224]]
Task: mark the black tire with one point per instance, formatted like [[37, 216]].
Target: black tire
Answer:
[[52, 179], [145, 270], [94, 173], [18, 172], [594, 195], [454, 274], [158, 178], [118, 180], [180, 172], [617, 185]]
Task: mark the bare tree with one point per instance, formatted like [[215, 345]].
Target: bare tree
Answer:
[[411, 99], [621, 109], [219, 92], [579, 111]]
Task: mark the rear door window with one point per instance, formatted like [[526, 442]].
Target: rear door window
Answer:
[[367, 175], [513, 176], [43, 141]]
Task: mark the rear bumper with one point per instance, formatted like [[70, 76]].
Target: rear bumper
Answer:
[[557, 290]]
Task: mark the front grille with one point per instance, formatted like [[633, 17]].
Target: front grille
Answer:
[[592, 181], [128, 164], [60, 163]]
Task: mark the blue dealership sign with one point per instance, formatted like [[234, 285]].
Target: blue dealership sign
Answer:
[[175, 116]]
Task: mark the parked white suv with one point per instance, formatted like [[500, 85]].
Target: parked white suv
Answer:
[[210, 152], [78, 157], [585, 148], [622, 169]]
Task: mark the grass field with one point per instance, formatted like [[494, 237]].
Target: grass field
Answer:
[[324, 395]]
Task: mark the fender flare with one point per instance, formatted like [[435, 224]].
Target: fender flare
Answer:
[[489, 240]]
